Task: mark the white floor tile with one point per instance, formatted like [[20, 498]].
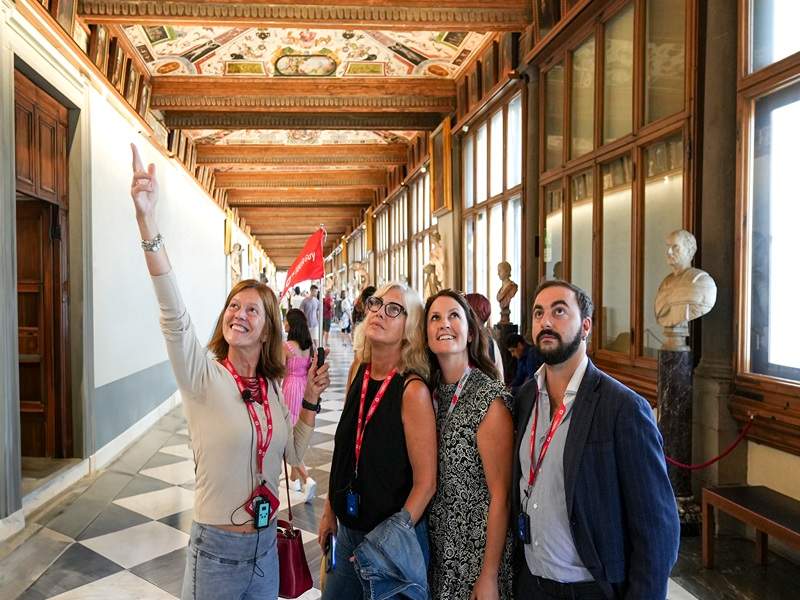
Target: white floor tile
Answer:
[[159, 504], [332, 404], [176, 473], [312, 594], [325, 445], [120, 586], [332, 417], [183, 431], [135, 545], [329, 429], [676, 591], [181, 450]]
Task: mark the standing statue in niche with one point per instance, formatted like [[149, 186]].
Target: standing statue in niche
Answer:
[[684, 295], [236, 264], [360, 275], [508, 289], [431, 284], [437, 256]]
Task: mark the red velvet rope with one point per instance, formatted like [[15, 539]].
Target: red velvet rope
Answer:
[[708, 463]]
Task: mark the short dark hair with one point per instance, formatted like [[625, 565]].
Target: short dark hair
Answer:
[[297, 289], [514, 340], [314, 287], [298, 328], [581, 297]]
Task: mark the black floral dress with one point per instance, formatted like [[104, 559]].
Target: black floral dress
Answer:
[[459, 511]]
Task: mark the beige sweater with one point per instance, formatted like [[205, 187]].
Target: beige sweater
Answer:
[[222, 433]]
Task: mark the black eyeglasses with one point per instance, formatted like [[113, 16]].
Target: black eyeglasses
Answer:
[[392, 309]]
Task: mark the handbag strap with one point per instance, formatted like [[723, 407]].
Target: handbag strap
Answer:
[[288, 496]]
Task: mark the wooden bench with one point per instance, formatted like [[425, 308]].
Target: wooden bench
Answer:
[[771, 513]]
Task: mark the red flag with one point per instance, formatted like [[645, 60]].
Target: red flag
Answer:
[[309, 265]]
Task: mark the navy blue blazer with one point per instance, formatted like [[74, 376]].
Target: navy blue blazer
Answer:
[[620, 503]]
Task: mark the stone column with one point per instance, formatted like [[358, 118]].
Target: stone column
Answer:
[[714, 429], [10, 467]]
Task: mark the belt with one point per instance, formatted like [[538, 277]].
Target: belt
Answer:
[[568, 590]]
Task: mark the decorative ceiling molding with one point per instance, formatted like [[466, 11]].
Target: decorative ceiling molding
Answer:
[[262, 156], [449, 15], [285, 120], [341, 179], [303, 95], [310, 195]]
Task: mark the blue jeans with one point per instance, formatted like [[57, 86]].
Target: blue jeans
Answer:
[[235, 566], [342, 583]]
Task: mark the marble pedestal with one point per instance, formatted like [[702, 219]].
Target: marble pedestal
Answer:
[[675, 423], [501, 333]]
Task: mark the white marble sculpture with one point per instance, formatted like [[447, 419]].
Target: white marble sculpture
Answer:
[[684, 295]]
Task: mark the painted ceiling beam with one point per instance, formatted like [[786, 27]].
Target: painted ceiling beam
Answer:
[[300, 195], [253, 215], [305, 120], [339, 178], [408, 15], [240, 155]]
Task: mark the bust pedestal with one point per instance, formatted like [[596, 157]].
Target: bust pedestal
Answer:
[[675, 424], [501, 333]]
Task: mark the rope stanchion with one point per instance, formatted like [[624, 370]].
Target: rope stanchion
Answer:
[[716, 459]]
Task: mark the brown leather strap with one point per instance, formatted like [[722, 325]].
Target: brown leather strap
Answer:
[[288, 497]]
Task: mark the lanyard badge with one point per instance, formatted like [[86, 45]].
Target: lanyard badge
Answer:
[[262, 503], [454, 400], [352, 499]]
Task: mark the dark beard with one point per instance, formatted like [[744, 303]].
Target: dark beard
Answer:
[[562, 352]]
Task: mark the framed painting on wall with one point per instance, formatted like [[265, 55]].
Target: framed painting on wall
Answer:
[[441, 169], [64, 13], [98, 46]]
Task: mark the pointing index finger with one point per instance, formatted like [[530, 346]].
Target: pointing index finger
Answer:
[[137, 160]]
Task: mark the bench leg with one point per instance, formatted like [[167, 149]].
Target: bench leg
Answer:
[[708, 535], [761, 547]]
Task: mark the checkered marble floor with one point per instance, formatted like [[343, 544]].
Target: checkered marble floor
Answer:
[[123, 534]]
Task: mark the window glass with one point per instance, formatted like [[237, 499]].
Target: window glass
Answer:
[[616, 309], [496, 182], [514, 132], [554, 117], [666, 49], [495, 255], [582, 211], [773, 282], [426, 191], [582, 100], [481, 164], [469, 255], [618, 76], [514, 252], [481, 248], [549, 13], [468, 160], [553, 231], [663, 214], [774, 37]]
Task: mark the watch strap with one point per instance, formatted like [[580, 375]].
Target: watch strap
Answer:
[[312, 407]]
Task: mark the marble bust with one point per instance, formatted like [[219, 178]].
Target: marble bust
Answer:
[[686, 293], [508, 289]]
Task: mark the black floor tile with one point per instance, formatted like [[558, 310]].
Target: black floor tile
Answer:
[[159, 459], [141, 485], [76, 517], [113, 518], [165, 572], [181, 520], [76, 567]]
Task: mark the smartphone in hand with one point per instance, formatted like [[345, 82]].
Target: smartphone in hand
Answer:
[[320, 356], [330, 553]]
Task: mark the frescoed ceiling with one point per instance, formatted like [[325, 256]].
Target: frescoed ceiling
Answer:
[[237, 51], [301, 117]]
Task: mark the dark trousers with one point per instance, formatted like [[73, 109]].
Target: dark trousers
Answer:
[[531, 587]]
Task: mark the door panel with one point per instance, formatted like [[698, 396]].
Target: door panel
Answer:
[[47, 156], [25, 144], [35, 313]]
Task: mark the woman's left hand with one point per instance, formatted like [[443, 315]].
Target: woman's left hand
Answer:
[[317, 382], [485, 588]]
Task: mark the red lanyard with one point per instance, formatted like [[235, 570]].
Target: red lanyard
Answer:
[[261, 444], [456, 395], [361, 426], [559, 416]]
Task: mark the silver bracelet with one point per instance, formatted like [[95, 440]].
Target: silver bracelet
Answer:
[[153, 245]]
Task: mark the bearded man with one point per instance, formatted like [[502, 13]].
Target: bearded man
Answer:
[[593, 509]]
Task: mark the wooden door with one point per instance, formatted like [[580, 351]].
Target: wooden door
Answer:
[[36, 326], [25, 143]]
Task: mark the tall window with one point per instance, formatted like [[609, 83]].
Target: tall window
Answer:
[[382, 246], [399, 238], [613, 183], [491, 198], [419, 190]]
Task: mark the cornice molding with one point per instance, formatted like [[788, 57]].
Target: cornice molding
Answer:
[[290, 103], [512, 17], [288, 120]]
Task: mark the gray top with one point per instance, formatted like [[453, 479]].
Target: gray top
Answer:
[[310, 306], [551, 553]]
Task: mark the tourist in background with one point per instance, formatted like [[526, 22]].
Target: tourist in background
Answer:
[[299, 356], [359, 310], [483, 310]]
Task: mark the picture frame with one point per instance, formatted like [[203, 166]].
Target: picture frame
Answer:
[[63, 11], [439, 150], [124, 73], [98, 46], [144, 98], [132, 84]]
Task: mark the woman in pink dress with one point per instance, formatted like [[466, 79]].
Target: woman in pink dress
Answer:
[[299, 354]]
